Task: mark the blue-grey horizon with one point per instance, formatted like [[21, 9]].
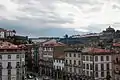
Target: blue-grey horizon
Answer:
[[36, 18]]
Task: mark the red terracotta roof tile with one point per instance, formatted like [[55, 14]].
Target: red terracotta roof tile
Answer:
[[97, 50], [116, 44]]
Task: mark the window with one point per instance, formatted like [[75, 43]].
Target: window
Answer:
[[9, 74], [70, 61], [91, 58], [57, 67], [70, 69], [0, 65], [107, 58], [96, 67], [83, 58], [83, 65], [59, 61], [17, 56], [17, 72], [96, 74], [91, 73], [79, 55], [87, 66], [87, 72], [79, 62], [117, 60], [74, 70], [74, 62], [9, 56], [102, 74], [69, 54], [66, 61], [102, 66], [91, 66], [87, 58], [74, 54], [18, 64], [102, 58], [9, 65], [0, 56], [96, 58], [107, 66]]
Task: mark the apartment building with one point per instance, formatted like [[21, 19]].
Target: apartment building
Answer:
[[6, 33], [116, 61], [12, 61], [97, 64], [73, 64], [46, 51], [59, 61]]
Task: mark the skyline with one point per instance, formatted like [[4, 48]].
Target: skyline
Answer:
[[36, 18]]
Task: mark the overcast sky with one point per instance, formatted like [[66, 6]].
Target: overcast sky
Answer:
[[58, 17]]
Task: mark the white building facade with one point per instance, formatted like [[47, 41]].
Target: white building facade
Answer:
[[73, 64], [12, 61], [6, 33], [97, 64], [58, 64]]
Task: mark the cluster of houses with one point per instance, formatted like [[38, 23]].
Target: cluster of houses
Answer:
[[12, 57], [96, 59], [92, 57]]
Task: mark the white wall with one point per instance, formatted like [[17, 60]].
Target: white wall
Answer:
[[60, 64], [13, 61]]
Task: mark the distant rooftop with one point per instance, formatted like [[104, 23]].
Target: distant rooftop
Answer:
[[96, 51]]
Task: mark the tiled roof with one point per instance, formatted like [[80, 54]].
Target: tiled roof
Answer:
[[53, 43], [3, 30], [8, 45], [116, 44], [59, 55], [96, 51]]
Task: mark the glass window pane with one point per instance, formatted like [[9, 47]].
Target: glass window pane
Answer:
[[102, 58], [96, 58], [107, 58]]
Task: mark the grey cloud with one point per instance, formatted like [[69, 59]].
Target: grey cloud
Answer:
[[42, 11], [80, 3], [2, 7], [116, 6]]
